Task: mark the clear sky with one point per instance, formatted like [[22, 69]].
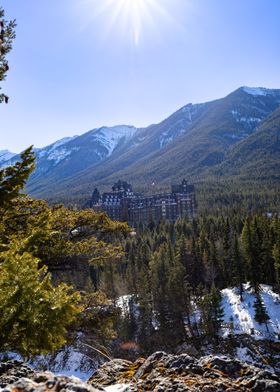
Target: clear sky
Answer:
[[80, 64]]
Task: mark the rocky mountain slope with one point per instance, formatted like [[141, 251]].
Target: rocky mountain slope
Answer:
[[195, 141], [159, 372], [258, 156]]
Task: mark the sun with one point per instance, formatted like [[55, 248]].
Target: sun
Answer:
[[135, 12], [131, 17]]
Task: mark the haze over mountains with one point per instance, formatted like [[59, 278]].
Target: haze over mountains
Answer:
[[237, 136]]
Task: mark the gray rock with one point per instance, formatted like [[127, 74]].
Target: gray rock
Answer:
[[151, 363], [180, 361], [13, 370], [160, 372], [266, 385], [55, 384], [229, 366]]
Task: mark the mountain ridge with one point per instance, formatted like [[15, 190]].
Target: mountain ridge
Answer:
[[189, 143]]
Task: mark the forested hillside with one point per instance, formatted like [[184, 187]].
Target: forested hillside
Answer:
[[258, 157], [173, 271], [233, 138]]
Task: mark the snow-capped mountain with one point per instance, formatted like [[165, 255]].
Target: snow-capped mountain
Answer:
[[111, 138], [55, 152], [6, 155], [260, 91], [101, 142], [188, 143], [78, 152]]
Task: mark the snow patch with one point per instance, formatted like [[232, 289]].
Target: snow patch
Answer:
[[110, 137], [242, 119], [243, 354], [5, 155], [60, 154], [167, 138], [46, 151], [259, 91], [241, 313], [118, 388]]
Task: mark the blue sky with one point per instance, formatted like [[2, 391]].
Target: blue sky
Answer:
[[79, 64]]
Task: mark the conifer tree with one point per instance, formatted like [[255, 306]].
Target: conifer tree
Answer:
[[211, 312], [250, 244], [7, 35], [261, 315], [266, 246], [34, 315], [13, 178], [238, 268], [145, 318], [159, 286], [226, 259], [276, 257], [196, 271]]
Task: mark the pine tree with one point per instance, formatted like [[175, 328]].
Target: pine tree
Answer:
[[145, 318], [276, 250], [251, 247], [276, 257], [34, 315], [217, 310], [196, 270], [226, 259], [267, 261], [13, 178], [7, 35], [261, 315], [211, 313], [238, 268]]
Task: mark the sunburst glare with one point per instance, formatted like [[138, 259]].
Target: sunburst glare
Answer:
[[131, 17]]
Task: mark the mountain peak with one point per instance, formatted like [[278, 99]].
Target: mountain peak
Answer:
[[6, 155], [110, 137], [258, 91]]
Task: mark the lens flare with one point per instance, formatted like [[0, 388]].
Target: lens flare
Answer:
[[131, 17]]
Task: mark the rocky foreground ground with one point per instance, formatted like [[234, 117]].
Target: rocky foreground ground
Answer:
[[160, 372]]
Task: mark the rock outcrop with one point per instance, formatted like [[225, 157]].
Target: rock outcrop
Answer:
[[163, 372], [17, 377], [160, 372]]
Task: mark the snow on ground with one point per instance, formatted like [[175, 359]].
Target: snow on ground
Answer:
[[242, 313], [128, 305], [68, 362], [244, 355], [117, 388], [71, 362]]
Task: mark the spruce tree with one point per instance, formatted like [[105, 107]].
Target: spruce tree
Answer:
[[7, 35], [251, 248], [276, 257], [13, 178], [261, 315], [145, 318], [211, 313], [226, 259], [238, 268]]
